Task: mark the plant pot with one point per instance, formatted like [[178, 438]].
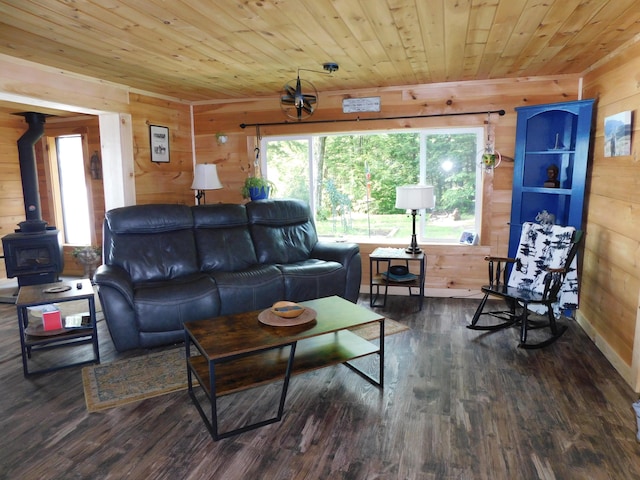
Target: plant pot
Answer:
[[258, 193]]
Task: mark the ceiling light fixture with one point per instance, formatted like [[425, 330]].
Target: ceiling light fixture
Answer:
[[297, 104]]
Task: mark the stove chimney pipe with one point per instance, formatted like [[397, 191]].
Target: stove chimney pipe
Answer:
[[28, 167]]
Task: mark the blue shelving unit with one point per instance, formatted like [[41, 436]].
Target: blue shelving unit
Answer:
[[557, 134]]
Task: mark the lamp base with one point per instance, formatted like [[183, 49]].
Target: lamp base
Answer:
[[413, 248]]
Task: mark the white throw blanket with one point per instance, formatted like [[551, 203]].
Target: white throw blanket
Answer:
[[541, 247]]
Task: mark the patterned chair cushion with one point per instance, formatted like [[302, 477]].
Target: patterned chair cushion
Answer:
[[541, 247]]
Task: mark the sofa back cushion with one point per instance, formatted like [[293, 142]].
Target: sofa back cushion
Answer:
[[282, 230], [151, 242], [222, 238]]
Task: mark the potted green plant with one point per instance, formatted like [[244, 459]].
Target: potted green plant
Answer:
[[257, 188]]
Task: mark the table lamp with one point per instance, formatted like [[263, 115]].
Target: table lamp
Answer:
[[205, 178], [414, 198]]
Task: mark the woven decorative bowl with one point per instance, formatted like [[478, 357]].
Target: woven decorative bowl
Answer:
[[287, 309]]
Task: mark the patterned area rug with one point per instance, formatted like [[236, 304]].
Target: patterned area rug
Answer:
[[118, 383]]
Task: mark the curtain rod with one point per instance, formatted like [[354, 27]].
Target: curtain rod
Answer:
[[358, 119]]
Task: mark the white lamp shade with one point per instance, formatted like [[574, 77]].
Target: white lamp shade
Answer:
[[206, 177], [415, 197]]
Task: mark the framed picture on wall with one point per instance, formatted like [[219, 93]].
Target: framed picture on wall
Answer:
[[159, 137], [617, 134]]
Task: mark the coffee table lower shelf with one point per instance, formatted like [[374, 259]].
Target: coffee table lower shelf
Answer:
[[232, 374]]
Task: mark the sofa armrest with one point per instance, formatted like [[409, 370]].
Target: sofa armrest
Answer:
[[115, 289], [335, 252], [117, 278], [347, 254]]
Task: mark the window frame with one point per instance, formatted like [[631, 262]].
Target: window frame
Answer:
[[480, 132], [54, 180]]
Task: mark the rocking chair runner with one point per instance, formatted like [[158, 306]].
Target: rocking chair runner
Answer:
[[543, 278]]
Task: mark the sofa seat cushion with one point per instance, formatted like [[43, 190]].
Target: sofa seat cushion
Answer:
[[165, 306], [313, 278], [255, 288]]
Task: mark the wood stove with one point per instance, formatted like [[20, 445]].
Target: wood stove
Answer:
[[34, 258], [34, 252]]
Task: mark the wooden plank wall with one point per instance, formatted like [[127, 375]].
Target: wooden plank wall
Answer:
[[11, 202], [162, 182], [452, 269], [155, 183], [611, 273]]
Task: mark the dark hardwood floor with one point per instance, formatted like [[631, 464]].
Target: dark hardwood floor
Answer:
[[457, 404]]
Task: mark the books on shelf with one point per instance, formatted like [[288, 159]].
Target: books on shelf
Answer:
[[50, 315], [47, 320], [78, 320], [408, 277]]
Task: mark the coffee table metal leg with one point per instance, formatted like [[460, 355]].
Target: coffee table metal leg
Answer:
[[94, 327], [380, 380], [212, 425], [25, 351]]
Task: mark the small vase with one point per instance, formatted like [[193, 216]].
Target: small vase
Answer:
[[259, 193]]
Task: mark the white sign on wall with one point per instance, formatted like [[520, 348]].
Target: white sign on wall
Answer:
[[365, 104]]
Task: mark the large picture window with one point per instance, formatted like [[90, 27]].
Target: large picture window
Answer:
[[350, 180]]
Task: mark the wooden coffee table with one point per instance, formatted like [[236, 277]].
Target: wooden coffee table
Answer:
[[237, 352]]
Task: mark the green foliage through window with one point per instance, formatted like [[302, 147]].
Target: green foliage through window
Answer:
[[350, 179]]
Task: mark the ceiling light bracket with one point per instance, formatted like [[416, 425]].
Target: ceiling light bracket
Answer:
[[330, 67]]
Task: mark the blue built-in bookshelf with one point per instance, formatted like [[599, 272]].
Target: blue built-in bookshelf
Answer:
[[552, 135]]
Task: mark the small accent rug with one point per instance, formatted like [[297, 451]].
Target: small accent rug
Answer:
[[124, 381]]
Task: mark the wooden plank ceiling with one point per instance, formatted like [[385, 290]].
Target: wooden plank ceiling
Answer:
[[198, 50]]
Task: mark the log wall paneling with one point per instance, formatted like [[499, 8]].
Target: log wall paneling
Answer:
[[11, 203], [610, 275], [448, 271], [162, 182], [50, 88]]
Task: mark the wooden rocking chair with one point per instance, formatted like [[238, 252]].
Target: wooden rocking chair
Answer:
[[543, 278]]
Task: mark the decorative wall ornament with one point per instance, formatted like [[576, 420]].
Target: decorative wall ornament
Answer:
[[159, 139], [363, 104], [491, 158], [95, 166]]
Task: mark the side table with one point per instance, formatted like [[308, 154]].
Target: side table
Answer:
[[388, 256], [33, 339]]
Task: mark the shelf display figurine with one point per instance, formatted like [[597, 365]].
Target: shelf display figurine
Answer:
[[552, 177]]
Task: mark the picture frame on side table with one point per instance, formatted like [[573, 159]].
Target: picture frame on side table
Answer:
[[159, 138]]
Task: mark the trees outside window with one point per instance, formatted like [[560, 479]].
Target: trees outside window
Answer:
[[350, 180]]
